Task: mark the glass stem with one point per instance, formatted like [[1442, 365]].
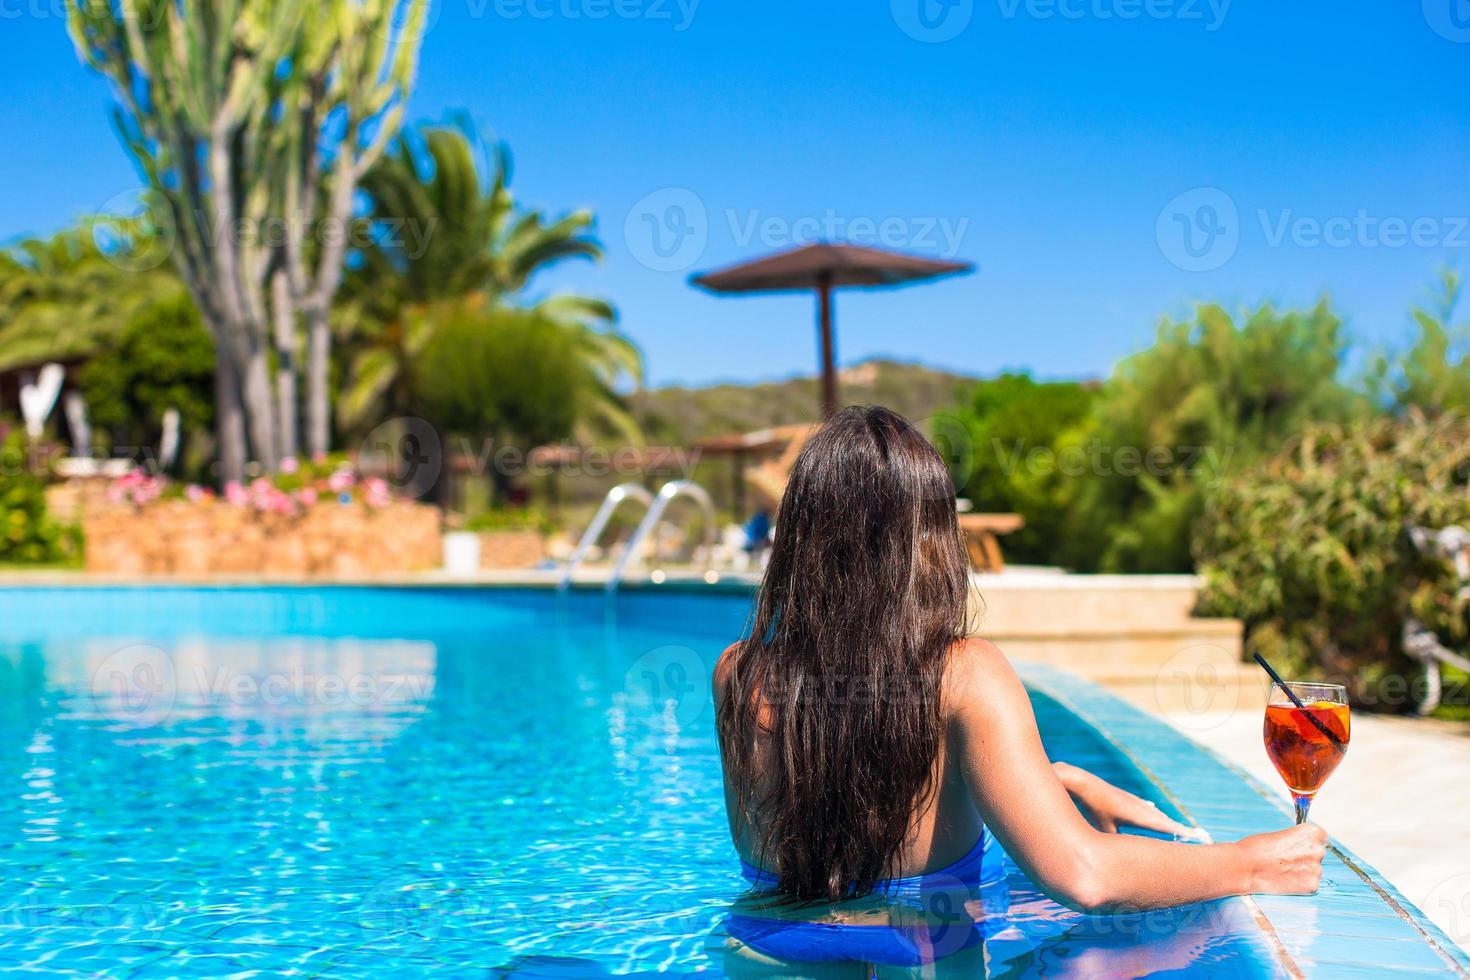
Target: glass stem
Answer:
[[1303, 802]]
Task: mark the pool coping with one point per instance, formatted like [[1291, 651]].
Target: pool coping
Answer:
[[1357, 925]]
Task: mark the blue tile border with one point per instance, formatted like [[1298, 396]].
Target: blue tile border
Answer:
[[1358, 924], [46, 612]]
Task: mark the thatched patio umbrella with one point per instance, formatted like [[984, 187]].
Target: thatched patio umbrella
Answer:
[[825, 267]]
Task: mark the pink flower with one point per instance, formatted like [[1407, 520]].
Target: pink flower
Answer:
[[375, 493], [289, 465], [236, 494], [341, 480], [146, 493], [307, 496]]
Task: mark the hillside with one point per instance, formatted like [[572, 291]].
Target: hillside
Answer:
[[678, 415]]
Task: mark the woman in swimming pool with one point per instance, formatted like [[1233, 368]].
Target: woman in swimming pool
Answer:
[[869, 744]]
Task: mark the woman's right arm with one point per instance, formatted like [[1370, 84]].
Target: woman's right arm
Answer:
[[1024, 804]]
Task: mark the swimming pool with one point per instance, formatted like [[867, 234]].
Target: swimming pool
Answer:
[[340, 781]]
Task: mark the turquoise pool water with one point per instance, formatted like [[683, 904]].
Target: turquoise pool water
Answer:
[[355, 781]]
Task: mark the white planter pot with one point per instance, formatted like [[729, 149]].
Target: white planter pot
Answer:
[[461, 552]]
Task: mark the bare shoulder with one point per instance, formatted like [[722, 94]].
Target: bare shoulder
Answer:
[[978, 673], [724, 667]]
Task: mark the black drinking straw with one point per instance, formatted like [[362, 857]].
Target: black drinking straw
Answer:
[[1311, 716]]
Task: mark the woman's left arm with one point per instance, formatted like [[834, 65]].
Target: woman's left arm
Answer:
[[1107, 807]]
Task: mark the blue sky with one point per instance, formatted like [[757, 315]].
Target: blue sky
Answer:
[[1066, 146]]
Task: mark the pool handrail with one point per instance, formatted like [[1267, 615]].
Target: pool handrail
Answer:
[[615, 496], [667, 494]]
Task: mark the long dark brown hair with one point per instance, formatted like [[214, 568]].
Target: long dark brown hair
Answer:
[[830, 721]]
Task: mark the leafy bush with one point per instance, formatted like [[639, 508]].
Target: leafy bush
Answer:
[[1113, 479], [1018, 430], [164, 359], [512, 377], [511, 519], [1209, 398], [1310, 549], [28, 534]]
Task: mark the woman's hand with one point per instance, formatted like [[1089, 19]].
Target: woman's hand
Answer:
[[1287, 862], [1107, 807]]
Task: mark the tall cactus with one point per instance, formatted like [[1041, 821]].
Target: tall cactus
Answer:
[[253, 121]]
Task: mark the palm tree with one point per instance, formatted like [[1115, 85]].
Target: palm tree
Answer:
[[62, 296], [446, 237]]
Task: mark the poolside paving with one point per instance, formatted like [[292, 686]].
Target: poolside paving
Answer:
[[1399, 800]]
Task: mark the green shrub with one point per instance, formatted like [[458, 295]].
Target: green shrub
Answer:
[[1016, 430], [164, 359], [510, 519], [28, 534], [1310, 548], [1212, 396], [1112, 478], [507, 380]]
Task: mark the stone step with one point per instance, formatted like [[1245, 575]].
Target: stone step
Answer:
[[1039, 603], [1133, 634], [1203, 649]]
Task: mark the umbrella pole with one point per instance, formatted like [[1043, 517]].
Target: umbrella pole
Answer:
[[829, 366], [739, 485]]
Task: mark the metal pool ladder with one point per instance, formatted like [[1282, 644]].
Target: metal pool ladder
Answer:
[[615, 496], [667, 494]]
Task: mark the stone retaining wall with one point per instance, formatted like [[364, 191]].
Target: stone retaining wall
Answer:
[[207, 538], [511, 549]]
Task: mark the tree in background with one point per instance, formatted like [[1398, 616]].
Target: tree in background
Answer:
[[1113, 478], [448, 241], [1017, 430], [1208, 399], [505, 376], [163, 359], [63, 296], [449, 225], [1433, 374], [252, 122]]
